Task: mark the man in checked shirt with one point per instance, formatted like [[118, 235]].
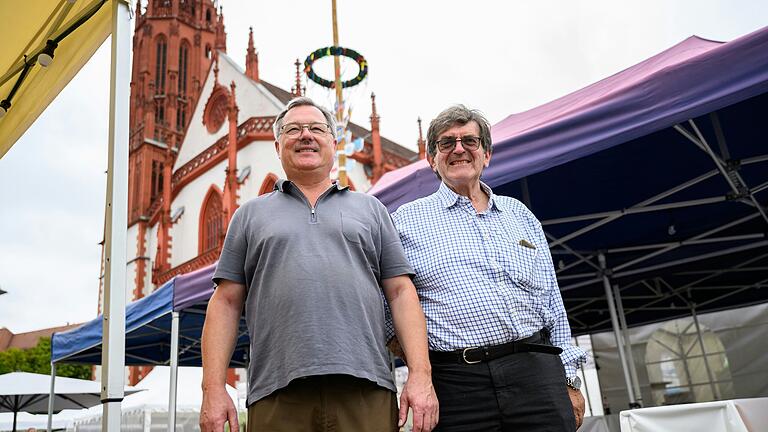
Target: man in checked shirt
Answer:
[[485, 278]]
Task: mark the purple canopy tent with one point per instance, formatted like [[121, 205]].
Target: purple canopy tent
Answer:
[[650, 185], [692, 78]]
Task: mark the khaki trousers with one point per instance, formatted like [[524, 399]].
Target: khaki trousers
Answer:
[[326, 403]]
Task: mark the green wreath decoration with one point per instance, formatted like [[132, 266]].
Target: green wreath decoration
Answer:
[[336, 51]]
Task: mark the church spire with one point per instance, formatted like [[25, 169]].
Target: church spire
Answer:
[[378, 162], [251, 59], [297, 90], [420, 143], [230, 183], [221, 34]]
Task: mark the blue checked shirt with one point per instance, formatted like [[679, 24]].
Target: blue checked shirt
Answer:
[[483, 278]]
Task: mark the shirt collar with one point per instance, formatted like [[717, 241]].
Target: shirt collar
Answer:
[[284, 185], [449, 198]]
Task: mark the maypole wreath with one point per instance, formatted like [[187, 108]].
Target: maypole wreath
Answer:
[[336, 51]]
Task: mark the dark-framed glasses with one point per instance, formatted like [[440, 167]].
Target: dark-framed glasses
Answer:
[[469, 142], [294, 129]]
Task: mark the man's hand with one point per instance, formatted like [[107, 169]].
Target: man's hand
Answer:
[[419, 395], [216, 410], [577, 400]]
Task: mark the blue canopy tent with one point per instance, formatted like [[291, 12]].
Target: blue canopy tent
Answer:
[[651, 186], [148, 325], [163, 328]]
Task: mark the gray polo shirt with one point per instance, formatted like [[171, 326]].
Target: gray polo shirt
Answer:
[[313, 278]]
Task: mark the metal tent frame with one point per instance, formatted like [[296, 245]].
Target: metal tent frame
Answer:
[[650, 186]]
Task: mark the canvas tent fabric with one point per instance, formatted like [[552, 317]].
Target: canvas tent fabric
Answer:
[[690, 79], [659, 169], [148, 327], [148, 410], [29, 392], [25, 31]]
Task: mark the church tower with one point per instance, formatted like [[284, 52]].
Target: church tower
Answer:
[[174, 44]]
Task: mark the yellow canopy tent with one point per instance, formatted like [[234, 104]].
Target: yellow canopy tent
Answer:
[[82, 26], [44, 44]]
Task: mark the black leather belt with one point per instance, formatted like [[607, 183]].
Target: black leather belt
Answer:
[[473, 355]]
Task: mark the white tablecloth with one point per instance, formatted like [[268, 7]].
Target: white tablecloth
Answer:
[[738, 415], [594, 424]]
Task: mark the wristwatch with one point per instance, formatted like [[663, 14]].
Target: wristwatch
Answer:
[[573, 382]]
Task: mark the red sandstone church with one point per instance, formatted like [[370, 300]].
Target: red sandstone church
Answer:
[[201, 142]]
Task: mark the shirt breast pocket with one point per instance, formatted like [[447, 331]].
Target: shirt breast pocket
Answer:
[[355, 231], [524, 269]]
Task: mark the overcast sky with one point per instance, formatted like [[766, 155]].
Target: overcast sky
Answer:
[[500, 57]]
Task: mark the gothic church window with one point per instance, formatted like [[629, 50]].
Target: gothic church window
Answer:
[[156, 185], [268, 185], [181, 112], [215, 111], [211, 221], [183, 57], [160, 65]]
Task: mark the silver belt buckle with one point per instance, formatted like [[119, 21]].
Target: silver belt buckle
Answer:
[[464, 356]]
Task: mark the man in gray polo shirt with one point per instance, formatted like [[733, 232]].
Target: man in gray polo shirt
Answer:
[[309, 262]]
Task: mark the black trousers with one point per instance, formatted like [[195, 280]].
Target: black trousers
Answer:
[[519, 392]]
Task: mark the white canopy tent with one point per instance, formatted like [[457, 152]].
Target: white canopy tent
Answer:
[[28, 392], [45, 43], [148, 410]]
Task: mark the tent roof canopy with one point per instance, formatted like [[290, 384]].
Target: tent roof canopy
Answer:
[[659, 168], [148, 327], [27, 88], [29, 392]]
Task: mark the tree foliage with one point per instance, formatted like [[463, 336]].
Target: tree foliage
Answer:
[[38, 360]]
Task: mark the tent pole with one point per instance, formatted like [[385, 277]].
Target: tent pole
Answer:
[[113, 331], [711, 377], [628, 346], [584, 382], [174, 371], [51, 395], [617, 331]]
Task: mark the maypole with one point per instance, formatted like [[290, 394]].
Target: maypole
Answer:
[[342, 157], [343, 140]]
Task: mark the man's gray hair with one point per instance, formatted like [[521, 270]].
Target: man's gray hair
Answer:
[[457, 115], [303, 101]]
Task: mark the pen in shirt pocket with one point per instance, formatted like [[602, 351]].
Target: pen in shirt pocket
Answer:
[[527, 244]]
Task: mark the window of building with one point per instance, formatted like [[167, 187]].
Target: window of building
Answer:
[[211, 221], [160, 66], [680, 371], [136, 187], [183, 57], [156, 185], [159, 112], [181, 117], [268, 185]]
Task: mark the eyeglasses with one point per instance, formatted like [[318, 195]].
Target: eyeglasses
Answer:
[[294, 129], [469, 142]]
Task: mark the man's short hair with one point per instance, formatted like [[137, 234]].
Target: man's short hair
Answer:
[[303, 101], [457, 115]]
